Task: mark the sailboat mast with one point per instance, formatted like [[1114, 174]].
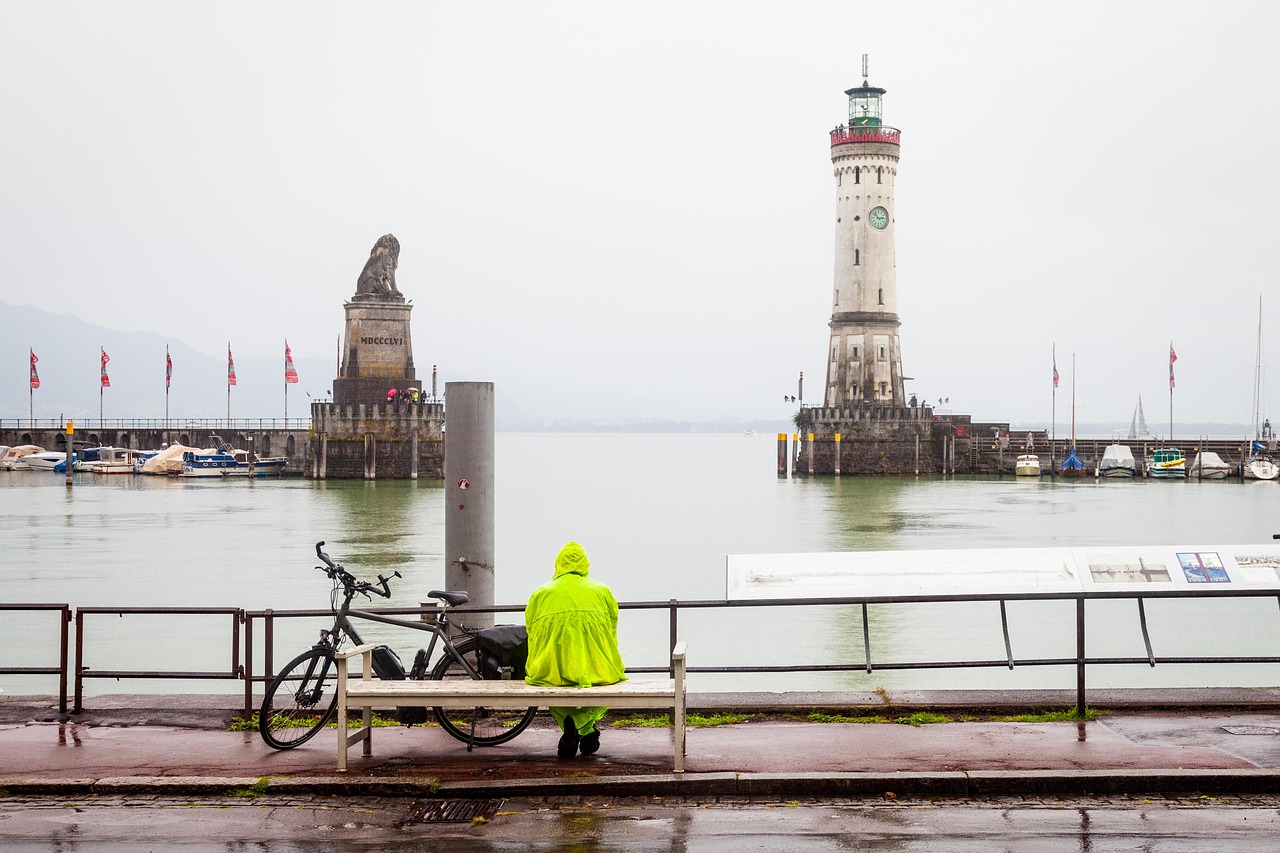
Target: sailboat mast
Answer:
[[1257, 378], [1073, 402]]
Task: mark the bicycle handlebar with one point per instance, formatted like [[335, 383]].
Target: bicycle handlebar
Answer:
[[348, 580]]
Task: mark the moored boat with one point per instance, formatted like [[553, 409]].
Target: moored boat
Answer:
[[116, 460], [1072, 466], [1208, 465], [1167, 463], [1259, 465], [1027, 465], [47, 460], [11, 460], [226, 462], [1117, 461]]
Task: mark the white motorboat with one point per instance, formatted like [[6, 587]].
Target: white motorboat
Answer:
[[1208, 466], [11, 460], [46, 460], [115, 460], [1027, 465], [1117, 461]]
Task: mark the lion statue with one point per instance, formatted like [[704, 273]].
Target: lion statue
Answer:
[[379, 274]]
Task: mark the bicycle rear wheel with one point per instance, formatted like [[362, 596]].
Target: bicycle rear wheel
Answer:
[[492, 726], [300, 701]]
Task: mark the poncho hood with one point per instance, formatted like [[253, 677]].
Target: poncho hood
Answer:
[[572, 560]]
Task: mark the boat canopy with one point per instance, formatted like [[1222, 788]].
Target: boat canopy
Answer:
[[1117, 455], [1072, 462], [167, 461]]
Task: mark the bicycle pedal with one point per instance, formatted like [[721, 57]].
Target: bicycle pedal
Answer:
[[418, 671]]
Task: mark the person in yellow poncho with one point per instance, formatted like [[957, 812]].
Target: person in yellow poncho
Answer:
[[573, 640]]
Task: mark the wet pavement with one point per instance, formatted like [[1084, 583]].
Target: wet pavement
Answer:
[[581, 825], [1128, 751]]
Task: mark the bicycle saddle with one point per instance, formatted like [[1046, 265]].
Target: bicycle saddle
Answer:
[[453, 599]]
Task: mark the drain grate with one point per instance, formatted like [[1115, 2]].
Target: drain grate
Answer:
[[450, 811], [1251, 730]]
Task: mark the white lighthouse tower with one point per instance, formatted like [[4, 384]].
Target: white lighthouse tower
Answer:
[[864, 365]]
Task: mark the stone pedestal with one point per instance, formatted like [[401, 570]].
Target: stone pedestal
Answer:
[[377, 352]]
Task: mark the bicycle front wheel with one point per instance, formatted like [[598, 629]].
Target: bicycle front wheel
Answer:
[[300, 701], [480, 726]]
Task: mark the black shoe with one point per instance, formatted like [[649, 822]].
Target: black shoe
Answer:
[[591, 743], [569, 740]]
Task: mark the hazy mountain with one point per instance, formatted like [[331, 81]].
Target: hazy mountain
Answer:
[[68, 350]]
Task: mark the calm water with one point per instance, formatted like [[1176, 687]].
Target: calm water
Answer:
[[657, 515]]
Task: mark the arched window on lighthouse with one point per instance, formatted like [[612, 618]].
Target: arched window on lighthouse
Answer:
[[881, 293], [857, 174], [856, 258], [879, 173]]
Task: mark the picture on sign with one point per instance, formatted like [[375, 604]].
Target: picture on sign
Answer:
[[1259, 568], [1148, 568], [1203, 568]]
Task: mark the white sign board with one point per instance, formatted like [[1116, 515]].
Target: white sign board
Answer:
[[885, 574]]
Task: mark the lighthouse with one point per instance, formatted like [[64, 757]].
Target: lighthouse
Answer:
[[864, 365]]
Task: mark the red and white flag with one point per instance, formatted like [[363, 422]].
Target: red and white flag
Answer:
[[1173, 356], [106, 380], [35, 377], [290, 375], [231, 367]]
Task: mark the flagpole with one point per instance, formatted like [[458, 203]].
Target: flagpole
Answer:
[[1171, 391], [101, 390], [228, 385], [286, 383]]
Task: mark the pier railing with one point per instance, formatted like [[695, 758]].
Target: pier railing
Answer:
[[242, 645]]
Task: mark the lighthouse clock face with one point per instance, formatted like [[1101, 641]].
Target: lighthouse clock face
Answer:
[[879, 217]]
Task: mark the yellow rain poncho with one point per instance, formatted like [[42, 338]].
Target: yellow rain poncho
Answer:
[[573, 635]]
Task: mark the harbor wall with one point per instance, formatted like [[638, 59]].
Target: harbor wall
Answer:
[[263, 441], [384, 441], [882, 440]]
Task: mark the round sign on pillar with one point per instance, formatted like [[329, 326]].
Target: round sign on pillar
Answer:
[[464, 484]]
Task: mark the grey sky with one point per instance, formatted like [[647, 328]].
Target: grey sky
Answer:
[[639, 198]]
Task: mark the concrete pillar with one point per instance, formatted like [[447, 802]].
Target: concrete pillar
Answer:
[[810, 454], [468, 489], [413, 455], [324, 456], [370, 457], [837, 454], [782, 455]]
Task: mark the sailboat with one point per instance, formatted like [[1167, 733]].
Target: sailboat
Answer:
[[1072, 466], [1258, 465]]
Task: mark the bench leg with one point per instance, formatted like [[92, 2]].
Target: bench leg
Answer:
[[367, 720], [342, 715]]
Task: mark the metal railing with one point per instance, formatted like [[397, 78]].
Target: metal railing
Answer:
[[86, 423], [245, 651], [82, 672], [64, 621]]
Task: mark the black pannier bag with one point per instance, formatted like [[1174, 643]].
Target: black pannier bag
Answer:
[[387, 666], [503, 652]]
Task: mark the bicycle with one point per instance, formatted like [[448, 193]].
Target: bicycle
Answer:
[[303, 697]]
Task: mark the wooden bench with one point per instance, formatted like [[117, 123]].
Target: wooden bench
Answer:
[[367, 692]]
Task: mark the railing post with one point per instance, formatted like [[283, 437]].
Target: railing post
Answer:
[[268, 641], [1080, 703], [62, 659], [79, 682], [672, 635], [248, 664]]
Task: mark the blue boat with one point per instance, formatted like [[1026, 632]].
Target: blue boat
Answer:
[[225, 462]]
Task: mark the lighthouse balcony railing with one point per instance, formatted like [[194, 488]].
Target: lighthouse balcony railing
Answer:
[[843, 135]]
